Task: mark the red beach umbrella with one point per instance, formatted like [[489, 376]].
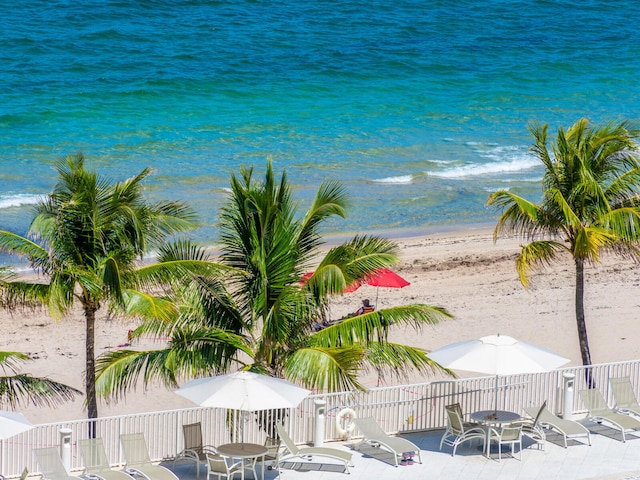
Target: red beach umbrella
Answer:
[[385, 278]]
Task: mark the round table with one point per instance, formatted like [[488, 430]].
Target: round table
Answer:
[[492, 418], [244, 451]]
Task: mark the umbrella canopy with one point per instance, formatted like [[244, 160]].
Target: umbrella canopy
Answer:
[[12, 423], [386, 278], [246, 391], [497, 355], [383, 277]]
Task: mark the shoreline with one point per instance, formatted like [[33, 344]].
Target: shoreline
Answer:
[[465, 272]]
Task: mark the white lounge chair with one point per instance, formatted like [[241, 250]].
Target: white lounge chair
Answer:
[[96, 463], [374, 434], [626, 401], [50, 463], [138, 461], [291, 450], [600, 412], [569, 429]]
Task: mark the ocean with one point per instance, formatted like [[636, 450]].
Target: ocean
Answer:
[[420, 108]]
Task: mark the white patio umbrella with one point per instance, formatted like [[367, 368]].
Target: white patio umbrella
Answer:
[[12, 423], [497, 355], [244, 391]]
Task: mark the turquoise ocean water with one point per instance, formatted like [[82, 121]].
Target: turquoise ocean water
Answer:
[[419, 107]]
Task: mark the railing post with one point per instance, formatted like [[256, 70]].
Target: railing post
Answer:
[[568, 386], [320, 408], [65, 448]]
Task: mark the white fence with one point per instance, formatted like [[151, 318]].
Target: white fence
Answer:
[[404, 408]]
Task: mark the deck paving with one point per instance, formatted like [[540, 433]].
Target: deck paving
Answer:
[[608, 458]]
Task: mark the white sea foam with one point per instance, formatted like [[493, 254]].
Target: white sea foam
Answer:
[[19, 199], [398, 179], [470, 170]]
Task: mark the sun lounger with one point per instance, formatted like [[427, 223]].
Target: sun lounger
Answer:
[[569, 429], [138, 461], [96, 463], [374, 434], [291, 450], [626, 401], [599, 412], [50, 463]]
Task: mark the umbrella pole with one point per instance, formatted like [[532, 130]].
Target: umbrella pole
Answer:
[[495, 408]]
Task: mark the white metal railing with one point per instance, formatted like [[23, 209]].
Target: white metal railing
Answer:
[[403, 408]]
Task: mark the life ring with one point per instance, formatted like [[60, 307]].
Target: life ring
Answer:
[[344, 422]]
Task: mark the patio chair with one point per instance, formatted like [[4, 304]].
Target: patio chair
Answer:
[[273, 451], [509, 435], [217, 465], [458, 431], [569, 429], [194, 448], [374, 434], [599, 412], [50, 463], [96, 463], [291, 450], [138, 461], [626, 401], [532, 428]]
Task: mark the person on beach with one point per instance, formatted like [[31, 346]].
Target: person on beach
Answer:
[[365, 308]]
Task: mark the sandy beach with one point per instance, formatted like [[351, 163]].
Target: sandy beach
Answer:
[[463, 271]]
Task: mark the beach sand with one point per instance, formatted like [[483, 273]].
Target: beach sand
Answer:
[[463, 271]]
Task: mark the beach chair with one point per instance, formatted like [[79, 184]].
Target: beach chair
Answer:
[[217, 465], [600, 412], [291, 450], [374, 434], [273, 451], [510, 435], [138, 461], [626, 401], [96, 463], [569, 429], [50, 464], [458, 431], [194, 448], [532, 428]]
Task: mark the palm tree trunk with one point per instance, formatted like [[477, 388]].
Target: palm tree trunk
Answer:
[[581, 323], [90, 362]]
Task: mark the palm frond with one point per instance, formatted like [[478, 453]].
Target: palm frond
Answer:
[[188, 354], [374, 326], [331, 369], [399, 361], [536, 255], [25, 248], [147, 306]]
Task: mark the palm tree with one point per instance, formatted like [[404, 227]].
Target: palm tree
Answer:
[[590, 203], [86, 238], [257, 315], [21, 388]]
